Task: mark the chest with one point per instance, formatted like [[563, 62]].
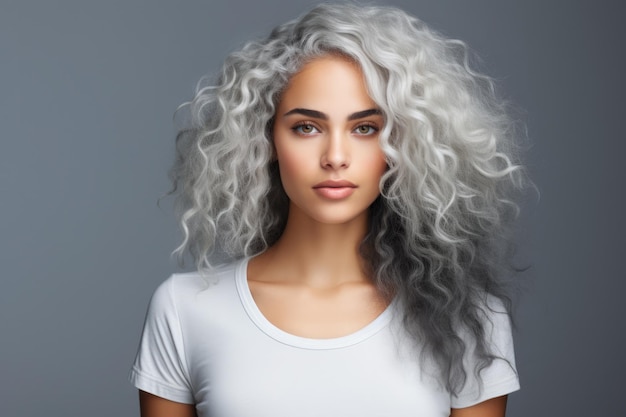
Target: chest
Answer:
[[317, 313], [242, 371]]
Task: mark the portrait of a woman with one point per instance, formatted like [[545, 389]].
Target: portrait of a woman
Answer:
[[279, 208], [345, 188]]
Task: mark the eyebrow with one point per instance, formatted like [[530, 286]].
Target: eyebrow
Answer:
[[319, 115]]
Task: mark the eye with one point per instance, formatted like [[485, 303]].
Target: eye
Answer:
[[365, 129], [305, 129]]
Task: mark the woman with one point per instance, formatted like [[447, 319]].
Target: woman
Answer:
[[354, 176]]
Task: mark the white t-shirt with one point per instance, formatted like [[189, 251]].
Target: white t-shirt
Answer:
[[206, 342]]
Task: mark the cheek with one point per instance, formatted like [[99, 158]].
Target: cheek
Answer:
[[291, 165], [376, 162], [378, 169], [380, 161], [287, 162]]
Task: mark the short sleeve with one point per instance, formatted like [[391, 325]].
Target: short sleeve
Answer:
[[500, 377], [160, 366]]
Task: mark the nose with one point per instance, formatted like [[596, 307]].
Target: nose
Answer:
[[336, 153]]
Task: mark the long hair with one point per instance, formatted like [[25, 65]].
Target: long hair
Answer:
[[436, 233]]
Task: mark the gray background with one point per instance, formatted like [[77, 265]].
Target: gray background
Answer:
[[87, 93]]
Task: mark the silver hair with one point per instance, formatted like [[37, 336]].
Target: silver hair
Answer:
[[437, 230]]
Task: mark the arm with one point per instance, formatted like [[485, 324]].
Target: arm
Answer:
[[160, 366], [495, 407], [153, 406]]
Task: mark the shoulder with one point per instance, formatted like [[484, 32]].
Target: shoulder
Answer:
[[497, 331], [497, 322], [499, 376], [184, 290]]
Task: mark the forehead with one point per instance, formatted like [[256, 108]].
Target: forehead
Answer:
[[329, 84]]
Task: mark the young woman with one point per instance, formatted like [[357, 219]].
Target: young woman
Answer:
[[353, 177]]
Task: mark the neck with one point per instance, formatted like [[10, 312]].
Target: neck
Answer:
[[319, 254]]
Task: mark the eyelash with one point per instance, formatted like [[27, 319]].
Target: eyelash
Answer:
[[373, 128], [297, 129]]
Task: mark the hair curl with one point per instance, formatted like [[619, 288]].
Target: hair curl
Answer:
[[436, 232]]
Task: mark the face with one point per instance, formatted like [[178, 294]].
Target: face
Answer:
[[326, 138]]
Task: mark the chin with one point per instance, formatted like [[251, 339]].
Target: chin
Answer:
[[337, 217]]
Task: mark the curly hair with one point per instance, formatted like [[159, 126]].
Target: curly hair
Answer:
[[438, 232]]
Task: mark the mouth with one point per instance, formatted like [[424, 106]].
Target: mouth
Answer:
[[334, 189], [334, 184]]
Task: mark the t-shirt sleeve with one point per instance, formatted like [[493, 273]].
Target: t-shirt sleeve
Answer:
[[160, 366], [500, 377]]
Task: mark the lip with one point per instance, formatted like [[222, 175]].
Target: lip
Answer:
[[335, 184], [335, 189]]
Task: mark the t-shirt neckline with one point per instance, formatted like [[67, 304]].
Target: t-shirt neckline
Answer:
[[249, 305]]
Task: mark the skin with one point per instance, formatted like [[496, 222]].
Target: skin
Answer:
[[311, 283], [315, 286], [153, 406]]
